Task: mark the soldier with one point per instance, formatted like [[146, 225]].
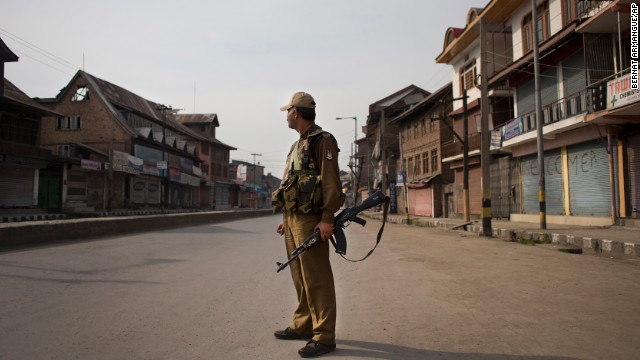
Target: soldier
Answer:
[[310, 195]]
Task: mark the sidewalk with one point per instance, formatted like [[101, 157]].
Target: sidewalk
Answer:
[[614, 241]]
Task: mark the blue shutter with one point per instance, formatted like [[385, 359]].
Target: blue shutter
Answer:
[[554, 192]]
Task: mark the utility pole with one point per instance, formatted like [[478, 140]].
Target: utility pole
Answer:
[[485, 136], [110, 174], [384, 154], [165, 187], [465, 158], [539, 120], [255, 181], [404, 180], [354, 186]]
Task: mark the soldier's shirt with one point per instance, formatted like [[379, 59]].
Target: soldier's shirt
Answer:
[[326, 155]]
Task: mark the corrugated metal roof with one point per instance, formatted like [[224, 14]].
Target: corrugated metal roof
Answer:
[[198, 119], [395, 97], [438, 94], [13, 93], [6, 55], [128, 100]]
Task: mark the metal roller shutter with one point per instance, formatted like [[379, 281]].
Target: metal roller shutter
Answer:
[[423, 202], [554, 194], [222, 194], [589, 185], [16, 187], [573, 74]]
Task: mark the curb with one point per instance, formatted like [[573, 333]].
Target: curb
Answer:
[[45, 232], [34, 217], [614, 248]]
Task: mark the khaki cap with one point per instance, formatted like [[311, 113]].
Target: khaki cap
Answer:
[[300, 99]]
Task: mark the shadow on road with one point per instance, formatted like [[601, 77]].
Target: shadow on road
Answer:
[[87, 272], [371, 350], [208, 229]]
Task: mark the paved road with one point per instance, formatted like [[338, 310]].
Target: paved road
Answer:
[[211, 292]]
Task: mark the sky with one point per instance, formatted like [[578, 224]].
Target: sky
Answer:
[[240, 59]]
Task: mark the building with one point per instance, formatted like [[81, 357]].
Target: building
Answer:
[[119, 150], [250, 178], [421, 180], [382, 140], [22, 159], [215, 159], [583, 150]]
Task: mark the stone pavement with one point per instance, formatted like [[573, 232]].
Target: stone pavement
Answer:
[[614, 241]]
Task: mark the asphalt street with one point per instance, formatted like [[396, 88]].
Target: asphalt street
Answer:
[[212, 292]]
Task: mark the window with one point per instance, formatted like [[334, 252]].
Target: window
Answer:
[[81, 94], [468, 76], [64, 150], [416, 165], [415, 131], [434, 160], [424, 127], [543, 23], [425, 163], [205, 148], [68, 122], [410, 168], [432, 126], [574, 9]]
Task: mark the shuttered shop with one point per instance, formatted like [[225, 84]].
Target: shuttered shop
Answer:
[[554, 193], [634, 172], [16, 187], [420, 202], [589, 185]]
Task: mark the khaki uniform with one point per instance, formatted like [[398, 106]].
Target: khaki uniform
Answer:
[[311, 272]]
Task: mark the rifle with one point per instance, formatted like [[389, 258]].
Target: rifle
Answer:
[[341, 221]]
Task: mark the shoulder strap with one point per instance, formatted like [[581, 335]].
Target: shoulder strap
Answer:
[[309, 156], [378, 238]]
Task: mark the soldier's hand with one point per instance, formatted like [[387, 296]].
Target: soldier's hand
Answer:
[[326, 230], [280, 229]]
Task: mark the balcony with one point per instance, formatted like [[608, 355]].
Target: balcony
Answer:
[[551, 113], [587, 9], [454, 148]]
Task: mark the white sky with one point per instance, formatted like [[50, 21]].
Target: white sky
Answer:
[[244, 58]]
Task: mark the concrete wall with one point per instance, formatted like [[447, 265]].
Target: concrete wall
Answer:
[[15, 234]]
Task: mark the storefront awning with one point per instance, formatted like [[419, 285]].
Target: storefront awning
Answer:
[[422, 183]]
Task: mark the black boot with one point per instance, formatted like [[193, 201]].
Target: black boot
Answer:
[[315, 348]]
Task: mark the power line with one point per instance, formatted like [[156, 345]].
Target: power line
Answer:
[[39, 50]]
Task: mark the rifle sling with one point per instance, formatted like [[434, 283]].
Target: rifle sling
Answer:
[[379, 237]]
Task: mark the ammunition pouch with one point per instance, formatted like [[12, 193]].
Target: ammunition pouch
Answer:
[[300, 192], [277, 199]]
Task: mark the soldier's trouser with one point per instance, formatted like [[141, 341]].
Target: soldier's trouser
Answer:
[[313, 280]]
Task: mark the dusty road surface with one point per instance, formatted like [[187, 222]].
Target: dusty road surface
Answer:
[[211, 292]]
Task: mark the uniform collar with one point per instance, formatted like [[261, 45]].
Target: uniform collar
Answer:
[[313, 129]]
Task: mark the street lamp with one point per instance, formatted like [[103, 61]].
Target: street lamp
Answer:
[[354, 189], [164, 203]]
